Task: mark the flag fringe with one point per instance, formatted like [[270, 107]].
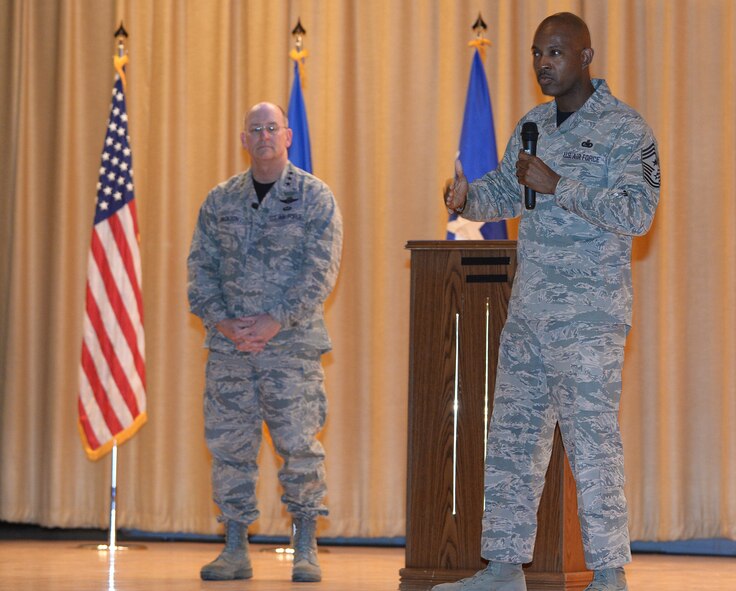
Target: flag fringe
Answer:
[[480, 44], [120, 62], [299, 57], [120, 438]]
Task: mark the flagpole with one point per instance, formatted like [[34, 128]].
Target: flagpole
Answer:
[[300, 151], [299, 155], [300, 158], [112, 546], [477, 142], [112, 537]]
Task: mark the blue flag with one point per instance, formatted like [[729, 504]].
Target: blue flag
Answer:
[[300, 152], [477, 153]]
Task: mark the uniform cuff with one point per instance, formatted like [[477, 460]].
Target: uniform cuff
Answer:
[[280, 316]]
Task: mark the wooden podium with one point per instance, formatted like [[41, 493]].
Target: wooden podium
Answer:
[[459, 299]]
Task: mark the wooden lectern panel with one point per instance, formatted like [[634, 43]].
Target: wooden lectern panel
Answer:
[[459, 300]]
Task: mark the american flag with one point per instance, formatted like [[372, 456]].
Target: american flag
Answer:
[[112, 391]]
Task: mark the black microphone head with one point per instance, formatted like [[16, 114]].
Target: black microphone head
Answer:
[[529, 132]]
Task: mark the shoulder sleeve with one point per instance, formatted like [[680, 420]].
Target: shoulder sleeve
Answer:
[[203, 286]]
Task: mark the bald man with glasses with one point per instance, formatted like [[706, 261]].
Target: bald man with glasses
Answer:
[[264, 257]]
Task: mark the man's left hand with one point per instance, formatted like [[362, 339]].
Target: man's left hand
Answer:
[[532, 172], [257, 336]]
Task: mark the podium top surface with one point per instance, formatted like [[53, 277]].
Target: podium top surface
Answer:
[[459, 244]]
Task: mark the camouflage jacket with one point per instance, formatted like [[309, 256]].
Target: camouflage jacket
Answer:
[[574, 247], [280, 258]]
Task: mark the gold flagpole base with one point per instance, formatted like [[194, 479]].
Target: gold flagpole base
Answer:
[[286, 552], [112, 548]]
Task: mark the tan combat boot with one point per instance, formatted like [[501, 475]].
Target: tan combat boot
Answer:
[[497, 576], [306, 567], [608, 579], [233, 562]]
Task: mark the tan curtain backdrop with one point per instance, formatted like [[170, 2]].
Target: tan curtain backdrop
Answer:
[[385, 92]]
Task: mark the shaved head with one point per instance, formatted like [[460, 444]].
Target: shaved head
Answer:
[[573, 25], [266, 105]]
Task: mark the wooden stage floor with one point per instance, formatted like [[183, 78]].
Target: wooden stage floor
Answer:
[[28, 565]]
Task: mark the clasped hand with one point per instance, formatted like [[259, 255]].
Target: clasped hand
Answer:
[[250, 333]]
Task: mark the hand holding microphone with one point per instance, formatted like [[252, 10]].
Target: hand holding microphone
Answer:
[[529, 135], [531, 171]]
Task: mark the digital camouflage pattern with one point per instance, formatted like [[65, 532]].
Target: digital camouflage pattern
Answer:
[[574, 248], [282, 258], [286, 392], [562, 345], [549, 372]]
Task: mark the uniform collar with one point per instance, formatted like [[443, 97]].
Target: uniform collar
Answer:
[[597, 101], [286, 181], [592, 108]]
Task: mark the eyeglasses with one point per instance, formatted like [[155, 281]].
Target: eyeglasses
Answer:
[[271, 128]]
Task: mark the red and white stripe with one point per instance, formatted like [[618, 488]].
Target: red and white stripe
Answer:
[[112, 394]]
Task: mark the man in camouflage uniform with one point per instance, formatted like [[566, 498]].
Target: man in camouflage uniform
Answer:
[[264, 257], [561, 349]]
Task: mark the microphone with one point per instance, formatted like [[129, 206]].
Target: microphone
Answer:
[[529, 135]]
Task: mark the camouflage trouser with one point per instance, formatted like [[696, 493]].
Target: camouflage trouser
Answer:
[[552, 372], [286, 392]]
